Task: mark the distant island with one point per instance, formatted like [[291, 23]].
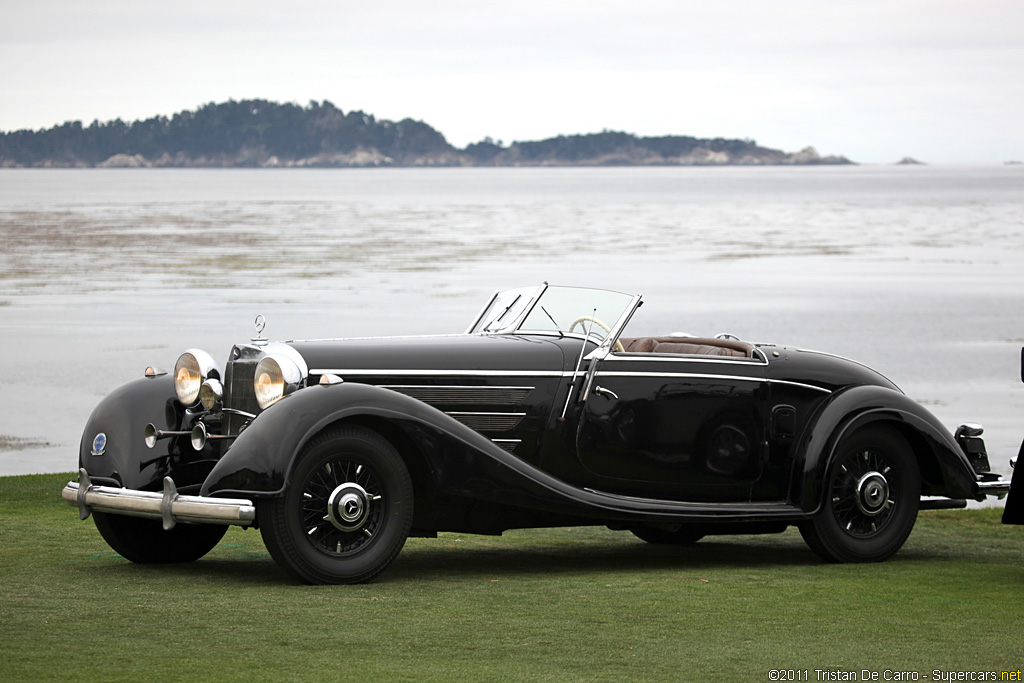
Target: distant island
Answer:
[[263, 134]]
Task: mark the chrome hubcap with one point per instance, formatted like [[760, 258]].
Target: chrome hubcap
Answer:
[[348, 507], [872, 493], [865, 491]]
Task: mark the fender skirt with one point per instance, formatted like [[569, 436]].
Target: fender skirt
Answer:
[[855, 407], [462, 462]]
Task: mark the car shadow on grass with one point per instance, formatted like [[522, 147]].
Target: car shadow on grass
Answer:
[[466, 556], [596, 558]]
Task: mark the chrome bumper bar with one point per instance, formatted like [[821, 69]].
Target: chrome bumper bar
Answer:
[[169, 506], [998, 488]]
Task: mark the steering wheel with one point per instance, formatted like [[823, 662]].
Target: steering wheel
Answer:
[[584, 318]]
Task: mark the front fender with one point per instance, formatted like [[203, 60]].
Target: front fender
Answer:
[[260, 460], [121, 416], [948, 471]]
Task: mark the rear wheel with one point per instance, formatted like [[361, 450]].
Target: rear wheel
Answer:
[[146, 542], [873, 491], [668, 534], [346, 512]]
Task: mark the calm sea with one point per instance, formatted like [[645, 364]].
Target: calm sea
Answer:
[[917, 271]]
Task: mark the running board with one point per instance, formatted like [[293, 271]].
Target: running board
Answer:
[[710, 511], [942, 504]]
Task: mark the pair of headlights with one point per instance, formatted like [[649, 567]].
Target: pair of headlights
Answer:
[[197, 380]]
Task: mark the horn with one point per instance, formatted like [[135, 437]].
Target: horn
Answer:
[[152, 434]]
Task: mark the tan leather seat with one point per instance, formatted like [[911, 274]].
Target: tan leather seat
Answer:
[[688, 346], [639, 344]]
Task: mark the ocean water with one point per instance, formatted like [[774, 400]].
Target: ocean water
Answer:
[[917, 271]]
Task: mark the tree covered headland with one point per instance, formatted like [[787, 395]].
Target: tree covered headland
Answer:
[[259, 133]]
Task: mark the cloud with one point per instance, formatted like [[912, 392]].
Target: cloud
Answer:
[[789, 73]]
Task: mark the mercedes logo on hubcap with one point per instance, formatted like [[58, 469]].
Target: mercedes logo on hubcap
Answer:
[[348, 507]]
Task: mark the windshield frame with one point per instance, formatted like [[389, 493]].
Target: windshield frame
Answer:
[[516, 324]]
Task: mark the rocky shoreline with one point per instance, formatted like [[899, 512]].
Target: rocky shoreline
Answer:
[[262, 134], [373, 158]]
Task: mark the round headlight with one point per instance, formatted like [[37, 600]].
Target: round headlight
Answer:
[[211, 394], [191, 370], [275, 378]]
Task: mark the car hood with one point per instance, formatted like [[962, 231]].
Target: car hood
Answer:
[[496, 353]]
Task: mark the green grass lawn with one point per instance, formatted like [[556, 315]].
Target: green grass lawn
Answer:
[[559, 604]]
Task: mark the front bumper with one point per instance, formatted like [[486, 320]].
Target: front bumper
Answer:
[[169, 506]]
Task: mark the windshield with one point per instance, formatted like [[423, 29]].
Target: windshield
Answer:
[[577, 310]]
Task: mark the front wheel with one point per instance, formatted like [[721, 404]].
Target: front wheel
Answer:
[[346, 512], [145, 541], [873, 491]]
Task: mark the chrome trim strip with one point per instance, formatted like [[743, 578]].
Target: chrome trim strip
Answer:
[[549, 333], [378, 337], [697, 375], [507, 395], [233, 411], [693, 375], [382, 372], [488, 422], [168, 506], [799, 384], [454, 413], [638, 356]]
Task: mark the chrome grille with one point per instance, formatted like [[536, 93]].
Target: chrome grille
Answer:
[[238, 392]]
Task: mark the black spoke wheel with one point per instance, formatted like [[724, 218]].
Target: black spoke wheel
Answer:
[[144, 540], [667, 534], [873, 491], [346, 512]]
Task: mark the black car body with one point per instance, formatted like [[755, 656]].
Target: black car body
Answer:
[[542, 414]]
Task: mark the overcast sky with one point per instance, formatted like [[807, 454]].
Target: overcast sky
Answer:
[[942, 81]]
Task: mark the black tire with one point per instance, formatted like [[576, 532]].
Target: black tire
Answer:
[[872, 494], [144, 540], [668, 534], [346, 512]]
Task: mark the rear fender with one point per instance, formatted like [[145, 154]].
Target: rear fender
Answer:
[[944, 467]]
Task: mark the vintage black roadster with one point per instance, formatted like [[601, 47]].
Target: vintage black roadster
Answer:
[[541, 414]]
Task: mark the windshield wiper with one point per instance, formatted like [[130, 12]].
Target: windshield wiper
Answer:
[[497, 320], [558, 328]]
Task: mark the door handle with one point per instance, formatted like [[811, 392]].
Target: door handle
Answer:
[[607, 393]]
